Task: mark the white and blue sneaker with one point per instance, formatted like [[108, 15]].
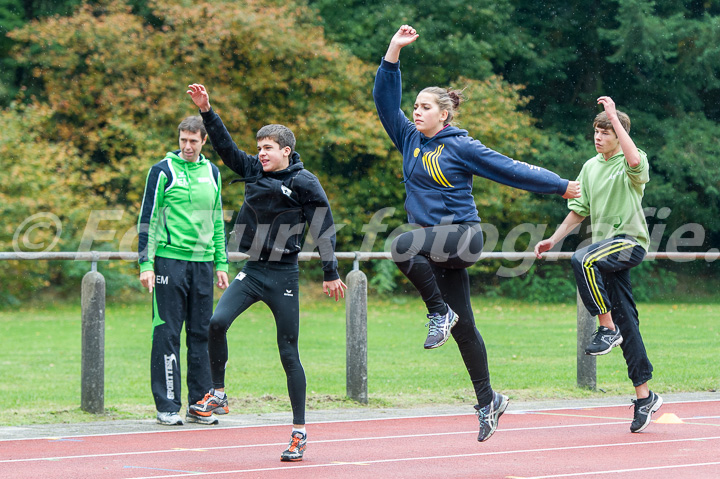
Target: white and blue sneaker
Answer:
[[439, 326], [489, 415]]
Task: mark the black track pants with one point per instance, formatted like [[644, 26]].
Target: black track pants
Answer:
[[435, 259], [275, 284], [602, 273], [183, 293]]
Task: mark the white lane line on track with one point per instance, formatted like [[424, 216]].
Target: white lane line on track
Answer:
[[620, 471], [340, 421], [322, 441], [455, 456]]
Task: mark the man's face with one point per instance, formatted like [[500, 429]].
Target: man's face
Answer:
[[606, 141], [271, 156], [190, 145]]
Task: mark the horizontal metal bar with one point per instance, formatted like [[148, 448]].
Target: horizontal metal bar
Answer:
[[354, 256]]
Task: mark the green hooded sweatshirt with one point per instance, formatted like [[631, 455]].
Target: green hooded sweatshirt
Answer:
[[181, 214], [612, 195]]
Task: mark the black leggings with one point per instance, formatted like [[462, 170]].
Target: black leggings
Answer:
[[275, 284], [435, 259]]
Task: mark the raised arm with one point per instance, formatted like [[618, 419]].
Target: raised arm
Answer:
[[632, 155], [236, 159], [387, 91], [402, 38]]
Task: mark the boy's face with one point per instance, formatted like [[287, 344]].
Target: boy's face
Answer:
[[191, 144], [606, 141], [271, 156]]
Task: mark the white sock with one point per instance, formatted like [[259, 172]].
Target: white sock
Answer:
[[298, 430], [219, 394]]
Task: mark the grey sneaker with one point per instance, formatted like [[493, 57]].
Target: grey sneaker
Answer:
[[169, 419], [439, 326], [206, 420], [644, 409], [603, 341], [489, 415]]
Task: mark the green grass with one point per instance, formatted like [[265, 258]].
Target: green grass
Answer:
[[531, 350]]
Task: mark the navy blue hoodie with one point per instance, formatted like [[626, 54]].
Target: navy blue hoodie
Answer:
[[438, 172]]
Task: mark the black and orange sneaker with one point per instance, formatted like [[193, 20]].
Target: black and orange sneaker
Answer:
[[210, 404], [295, 450]]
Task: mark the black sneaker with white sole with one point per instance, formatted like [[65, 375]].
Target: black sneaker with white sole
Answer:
[[603, 341], [439, 326], [644, 409], [489, 415]]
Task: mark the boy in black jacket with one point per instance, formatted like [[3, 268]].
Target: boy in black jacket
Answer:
[[280, 197]]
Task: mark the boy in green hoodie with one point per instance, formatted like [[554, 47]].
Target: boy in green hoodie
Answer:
[[181, 235], [612, 185]]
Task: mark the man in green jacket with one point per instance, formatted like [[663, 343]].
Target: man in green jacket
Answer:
[[181, 236], [612, 185]]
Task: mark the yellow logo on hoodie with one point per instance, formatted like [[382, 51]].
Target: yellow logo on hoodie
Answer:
[[432, 166]]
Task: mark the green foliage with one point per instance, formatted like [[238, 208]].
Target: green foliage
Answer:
[[543, 283], [92, 93], [385, 277], [458, 37]]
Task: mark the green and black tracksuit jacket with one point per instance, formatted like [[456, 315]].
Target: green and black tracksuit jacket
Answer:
[[181, 215]]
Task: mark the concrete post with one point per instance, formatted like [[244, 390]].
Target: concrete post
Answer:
[[586, 366], [93, 343], [356, 336]]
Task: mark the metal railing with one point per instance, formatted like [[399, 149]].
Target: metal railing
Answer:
[[93, 315]]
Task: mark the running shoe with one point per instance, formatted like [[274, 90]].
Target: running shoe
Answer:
[[489, 415], [295, 450], [603, 341], [644, 409], [210, 404], [205, 420], [169, 419], [439, 326]]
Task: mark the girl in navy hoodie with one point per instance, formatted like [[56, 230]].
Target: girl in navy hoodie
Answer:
[[439, 162]]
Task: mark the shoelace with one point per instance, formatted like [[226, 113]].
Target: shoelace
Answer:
[[294, 443], [434, 325]]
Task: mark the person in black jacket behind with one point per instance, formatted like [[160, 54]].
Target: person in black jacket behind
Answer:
[[280, 198]]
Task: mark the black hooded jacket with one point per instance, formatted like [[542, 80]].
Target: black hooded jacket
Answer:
[[271, 223]]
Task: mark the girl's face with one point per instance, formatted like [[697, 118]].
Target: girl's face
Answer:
[[428, 117]]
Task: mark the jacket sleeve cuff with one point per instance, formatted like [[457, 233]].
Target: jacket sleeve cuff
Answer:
[[330, 275], [562, 187], [221, 267], [391, 67], [207, 114], [147, 266]]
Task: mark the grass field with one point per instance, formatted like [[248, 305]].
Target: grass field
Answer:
[[531, 350]]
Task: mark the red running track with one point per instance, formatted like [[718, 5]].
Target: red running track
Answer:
[[682, 442]]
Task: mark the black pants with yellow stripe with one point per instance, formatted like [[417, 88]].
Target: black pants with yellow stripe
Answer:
[[602, 273]]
